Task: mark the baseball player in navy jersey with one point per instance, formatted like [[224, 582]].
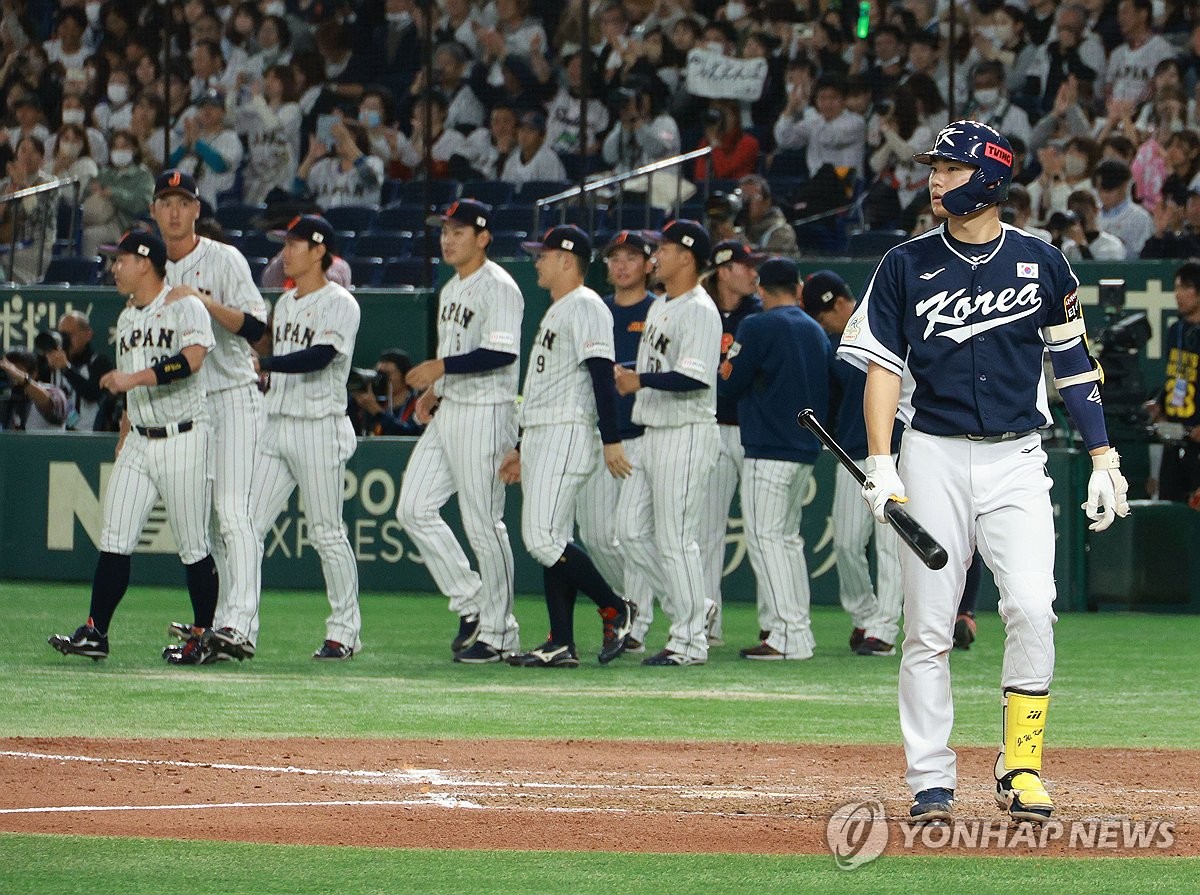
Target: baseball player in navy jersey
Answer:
[[628, 257], [661, 504], [568, 423], [875, 611], [218, 275], [162, 451], [472, 385], [951, 331], [778, 365], [731, 284], [308, 437]]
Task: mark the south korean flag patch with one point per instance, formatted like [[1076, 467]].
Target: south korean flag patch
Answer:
[[1027, 270]]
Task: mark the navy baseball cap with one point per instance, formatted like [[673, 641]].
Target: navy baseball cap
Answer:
[[566, 237], [692, 236], [146, 244], [465, 211], [821, 290], [175, 181], [311, 227], [779, 273], [630, 239], [728, 250], [212, 97]]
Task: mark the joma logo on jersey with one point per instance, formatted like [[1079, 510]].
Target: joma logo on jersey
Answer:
[[955, 309], [656, 340], [545, 338], [146, 338], [456, 313], [295, 334]]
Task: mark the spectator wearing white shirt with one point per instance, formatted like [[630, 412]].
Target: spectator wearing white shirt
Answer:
[[209, 151], [444, 143], [75, 112], [67, 49], [269, 121], [831, 133], [274, 40], [990, 105], [1131, 64], [115, 111], [72, 158], [344, 174], [534, 159], [1086, 241], [27, 110], [488, 148], [459, 25], [451, 65], [147, 125], [1120, 215]]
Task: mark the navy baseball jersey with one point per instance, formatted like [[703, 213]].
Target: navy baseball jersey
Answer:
[[750, 304], [965, 327], [628, 323], [779, 365]]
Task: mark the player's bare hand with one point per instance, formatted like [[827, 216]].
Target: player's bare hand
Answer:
[[628, 381], [117, 382], [510, 467], [618, 464], [57, 359], [425, 374], [178, 292], [426, 407]]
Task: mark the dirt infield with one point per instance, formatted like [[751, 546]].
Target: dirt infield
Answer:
[[630, 796]]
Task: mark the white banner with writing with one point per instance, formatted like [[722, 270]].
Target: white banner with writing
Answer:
[[715, 76]]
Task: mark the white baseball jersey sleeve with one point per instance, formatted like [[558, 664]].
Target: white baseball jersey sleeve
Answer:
[[147, 335], [326, 316], [220, 271], [482, 311], [558, 387], [682, 334]]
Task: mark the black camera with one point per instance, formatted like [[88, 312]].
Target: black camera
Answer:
[[724, 206], [364, 379], [1121, 343], [51, 340]]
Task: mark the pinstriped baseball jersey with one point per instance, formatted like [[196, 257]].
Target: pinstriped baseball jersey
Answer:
[[558, 387], [326, 316], [482, 311], [682, 334], [220, 271], [147, 335]]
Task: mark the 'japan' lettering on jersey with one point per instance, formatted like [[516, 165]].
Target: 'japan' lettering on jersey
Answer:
[[218, 270], [482, 311], [326, 316], [682, 334], [966, 332], [558, 386], [150, 334]]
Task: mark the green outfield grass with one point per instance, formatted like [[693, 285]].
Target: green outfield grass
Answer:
[[1122, 680]]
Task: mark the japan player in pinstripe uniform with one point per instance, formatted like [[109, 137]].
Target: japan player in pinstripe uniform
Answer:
[[777, 366], [308, 437], [875, 611], [628, 257], [568, 422], [218, 275], [162, 451], [472, 385], [951, 331], [731, 284], [662, 502]]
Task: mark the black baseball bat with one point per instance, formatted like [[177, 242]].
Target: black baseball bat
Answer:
[[910, 530]]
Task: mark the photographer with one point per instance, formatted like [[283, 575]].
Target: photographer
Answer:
[[384, 405], [31, 406], [1179, 476], [69, 353]]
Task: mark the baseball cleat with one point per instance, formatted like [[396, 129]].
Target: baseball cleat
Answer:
[[479, 653], [669, 659], [933, 804], [964, 631], [857, 636], [548, 655], [762, 652], [468, 633], [332, 651], [873, 646], [86, 641], [197, 650], [633, 645], [231, 643], [617, 625], [1022, 794], [180, 631]]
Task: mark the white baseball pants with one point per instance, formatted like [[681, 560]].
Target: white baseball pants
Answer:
[[556, 462], [715, 523]]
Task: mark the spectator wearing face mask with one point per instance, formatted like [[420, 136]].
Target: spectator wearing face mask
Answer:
[[1002, 40], [990, 104], [117, 196], [74, 111], [115, 111], [72, 158]]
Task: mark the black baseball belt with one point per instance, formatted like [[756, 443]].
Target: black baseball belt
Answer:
[[1002, 436], [164, 431]]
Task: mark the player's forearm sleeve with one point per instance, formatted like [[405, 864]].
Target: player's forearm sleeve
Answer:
[[307, 360], [479, 361], [1086, 413], [252, 328], [605, 389], [674, 381]]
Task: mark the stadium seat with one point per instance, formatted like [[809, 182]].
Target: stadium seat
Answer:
[[240, 216], [494, 192], [407, 272], [258, 244], [365, 270], [383, 243], [257, 266], [514, 218], [873, 243], [532, 190], [400, 217], [74, 269], [507, 244], [637, 217], [351, 217], [412, 192]]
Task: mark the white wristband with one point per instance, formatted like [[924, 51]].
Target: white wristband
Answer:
[[1110, 459]]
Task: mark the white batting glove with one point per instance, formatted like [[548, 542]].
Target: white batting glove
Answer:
[[883, 484], [1107, 490]]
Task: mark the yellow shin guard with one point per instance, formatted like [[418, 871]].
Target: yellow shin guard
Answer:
[[1019, 788]]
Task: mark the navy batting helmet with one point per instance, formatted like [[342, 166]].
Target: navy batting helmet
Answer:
[[987, 150]]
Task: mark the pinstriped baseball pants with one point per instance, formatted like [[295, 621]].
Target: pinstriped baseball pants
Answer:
[[715, 524], [877, 610]]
